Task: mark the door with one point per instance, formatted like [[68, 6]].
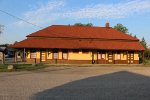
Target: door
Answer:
[[110, 57], [43, 56], [130, 57]]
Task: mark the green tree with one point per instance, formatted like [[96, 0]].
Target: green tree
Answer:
[[143, 42], [80, 24], [135, 36], [147, 54], [121, 28]]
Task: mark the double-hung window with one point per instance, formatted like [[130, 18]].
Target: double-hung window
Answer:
[[32, 54], [64, 54], [101, 55], [118, 56]]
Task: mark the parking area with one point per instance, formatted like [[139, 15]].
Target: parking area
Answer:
[[77, 83]]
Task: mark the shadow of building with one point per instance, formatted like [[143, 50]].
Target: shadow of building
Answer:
[[115, 86]]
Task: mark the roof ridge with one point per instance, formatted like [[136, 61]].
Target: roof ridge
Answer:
[[82, 26]]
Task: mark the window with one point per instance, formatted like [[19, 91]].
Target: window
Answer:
[[85, 51], [55, 55], [75, 51], [118, 56], [101, 55], [64, 54], [32, 54]]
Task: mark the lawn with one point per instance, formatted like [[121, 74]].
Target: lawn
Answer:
[[21, 67]]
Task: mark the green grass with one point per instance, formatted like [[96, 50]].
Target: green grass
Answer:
[[22, 67], [3, 68], [147, 62]]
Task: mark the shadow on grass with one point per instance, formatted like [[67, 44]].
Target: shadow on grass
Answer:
[[115, 86]]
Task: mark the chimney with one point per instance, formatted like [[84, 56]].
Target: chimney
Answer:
[[107, 25]]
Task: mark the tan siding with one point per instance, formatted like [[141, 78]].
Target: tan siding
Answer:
[[136, 56], [38, 54], [80, 56], [28, 54], [49, 54], [60, 54], [123, 56]]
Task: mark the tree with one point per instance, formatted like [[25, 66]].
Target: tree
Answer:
[[147, 54], [80, 24], [121, 28], [135, 36], [89, 24], [143, 42]]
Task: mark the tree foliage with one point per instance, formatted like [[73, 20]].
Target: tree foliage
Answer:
[[80, 24], [147, 54], [135, 36], [143, 42], [121, 28]]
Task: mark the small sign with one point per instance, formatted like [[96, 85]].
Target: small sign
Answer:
[[10, 67]]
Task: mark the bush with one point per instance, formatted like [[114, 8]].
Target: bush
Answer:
[[140, 60]]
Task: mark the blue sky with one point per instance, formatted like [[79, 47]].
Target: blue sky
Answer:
[[134, 14]]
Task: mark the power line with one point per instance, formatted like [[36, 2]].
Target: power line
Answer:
[[19, 18]]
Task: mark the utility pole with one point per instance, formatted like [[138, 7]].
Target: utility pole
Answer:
[[1, 29], [2, 54]]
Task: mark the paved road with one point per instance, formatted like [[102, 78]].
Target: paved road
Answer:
[[77, 83]]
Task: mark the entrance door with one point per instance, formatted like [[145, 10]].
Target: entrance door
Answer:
[[130, 57], [43, 56], [110, 57]]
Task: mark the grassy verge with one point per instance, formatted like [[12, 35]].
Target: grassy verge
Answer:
[[147, 62], [22, 67]]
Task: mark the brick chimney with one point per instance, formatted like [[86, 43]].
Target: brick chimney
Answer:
[[107, 25]]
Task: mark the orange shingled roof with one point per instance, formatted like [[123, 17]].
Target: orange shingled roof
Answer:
[[78, 44], [80, 37], [81, 32]]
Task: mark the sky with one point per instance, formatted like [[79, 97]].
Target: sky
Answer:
[[134, 14]]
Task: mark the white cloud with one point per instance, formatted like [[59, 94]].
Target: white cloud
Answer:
[[43, 13], [54, 10], [119, 10]]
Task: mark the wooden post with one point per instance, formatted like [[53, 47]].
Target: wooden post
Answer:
[[93, 57], [2, 57], [3, 61], [24, 55], [21, 55], [15, 58]]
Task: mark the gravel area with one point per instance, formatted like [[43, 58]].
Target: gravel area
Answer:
[[77, 83]]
